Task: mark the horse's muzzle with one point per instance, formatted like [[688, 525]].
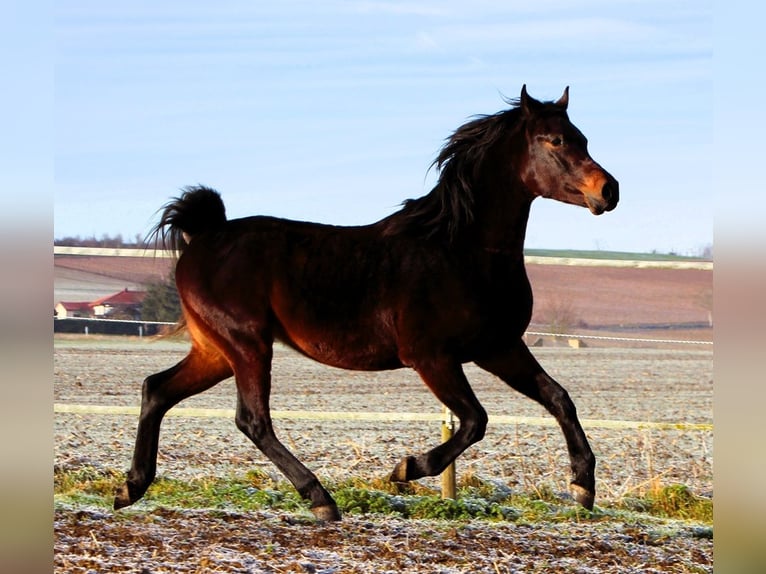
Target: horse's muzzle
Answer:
[[606, 200]]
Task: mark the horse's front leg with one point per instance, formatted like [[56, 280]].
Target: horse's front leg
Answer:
[[519, 369], [445, 378]]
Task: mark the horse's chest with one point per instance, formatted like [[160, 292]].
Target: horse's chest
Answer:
[[507, 303]]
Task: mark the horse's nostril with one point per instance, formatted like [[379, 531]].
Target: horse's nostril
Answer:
[[610, 193], [607, 192]]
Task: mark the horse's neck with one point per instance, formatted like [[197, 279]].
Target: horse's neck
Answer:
[[502, 227]]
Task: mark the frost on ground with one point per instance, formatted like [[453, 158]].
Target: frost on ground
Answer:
[[261, 542], [620, 384]]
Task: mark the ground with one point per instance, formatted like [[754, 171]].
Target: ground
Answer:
[[641, 384], [203, 542]]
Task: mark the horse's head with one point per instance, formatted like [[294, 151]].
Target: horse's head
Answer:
[[557, 163]]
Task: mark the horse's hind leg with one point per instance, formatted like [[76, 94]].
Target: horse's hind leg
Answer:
[[447, 381], [519, 369], [254, 420], [197, 372]]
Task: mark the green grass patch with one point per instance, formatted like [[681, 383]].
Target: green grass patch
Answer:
[[254, 491], [477, 499], [674, 501], [86, 481], [610, 255]]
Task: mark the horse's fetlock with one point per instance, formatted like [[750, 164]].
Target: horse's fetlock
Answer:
[[400, 473], [326, 512]]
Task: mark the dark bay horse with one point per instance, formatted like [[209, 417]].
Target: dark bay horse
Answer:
[[437, 284]]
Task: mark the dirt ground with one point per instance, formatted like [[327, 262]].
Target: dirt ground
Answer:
[[164, 541], [644, 384]]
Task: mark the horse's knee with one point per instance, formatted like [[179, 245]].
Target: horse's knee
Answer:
[[153, 401], [151, 389], [475, 426], [253, 427], [243, 422], [557, 399]]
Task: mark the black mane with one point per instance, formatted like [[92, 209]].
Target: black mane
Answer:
[[448, 208]]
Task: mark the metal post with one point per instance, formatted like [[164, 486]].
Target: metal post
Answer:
[[449, 487]]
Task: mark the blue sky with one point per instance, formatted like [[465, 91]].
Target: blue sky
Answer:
[[333, 111]]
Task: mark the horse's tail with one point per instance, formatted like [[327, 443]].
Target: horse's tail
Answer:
[[197, 210]]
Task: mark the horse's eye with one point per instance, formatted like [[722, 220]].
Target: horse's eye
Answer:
[[557, 141]]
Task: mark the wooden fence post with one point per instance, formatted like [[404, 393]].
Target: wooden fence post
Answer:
[[448, 475]]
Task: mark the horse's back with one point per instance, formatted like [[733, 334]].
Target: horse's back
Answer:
[[322, 289]]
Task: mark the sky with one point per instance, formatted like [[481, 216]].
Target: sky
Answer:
[[333, 111]]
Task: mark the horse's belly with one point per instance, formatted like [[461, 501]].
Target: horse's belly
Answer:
[[343, 350]]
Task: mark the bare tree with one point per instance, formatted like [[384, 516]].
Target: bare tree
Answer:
[[560, 314]]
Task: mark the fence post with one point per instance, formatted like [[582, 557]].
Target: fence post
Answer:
[[448, 475]]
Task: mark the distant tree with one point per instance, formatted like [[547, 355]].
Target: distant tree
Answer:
[[132, 313], [162, 302], [561, 315], [106, 240]]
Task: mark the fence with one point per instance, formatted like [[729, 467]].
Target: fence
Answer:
[[621, 339], [367, 416], [89, 326]]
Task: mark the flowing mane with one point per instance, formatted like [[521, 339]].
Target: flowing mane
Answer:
[[448, 208]]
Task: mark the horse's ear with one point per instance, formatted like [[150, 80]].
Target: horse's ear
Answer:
[[528, 103], [563, 101]]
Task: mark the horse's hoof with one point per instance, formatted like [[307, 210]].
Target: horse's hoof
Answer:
[[122, 497], [326, 513], [583, 496], [400, 471]]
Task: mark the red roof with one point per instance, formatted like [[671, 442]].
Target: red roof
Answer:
[[123, 297], [74, 305]]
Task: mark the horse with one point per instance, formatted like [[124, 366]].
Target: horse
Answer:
[[439, 283]]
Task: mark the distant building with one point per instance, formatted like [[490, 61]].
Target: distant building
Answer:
[[124, 304], [67, 309]]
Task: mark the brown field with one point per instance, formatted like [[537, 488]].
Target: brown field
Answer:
[[616, 296], [596, 300]]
